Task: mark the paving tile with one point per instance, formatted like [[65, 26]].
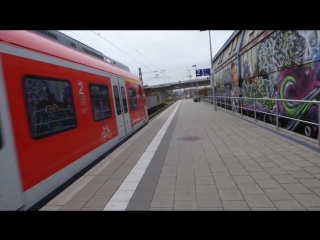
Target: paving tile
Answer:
[[210, 209], [226, 184], [185, 206], [276, 171], [162, 201], [313, 208], [91, 209], [316, 191], [50, 208], [250, 189], [249, 163], [268, 183], [295, 188], [222, 176], [128, 186], [142, 195], [291, 167], [164, 190], [278, 194], [122, 196], [116, 206], [92, 186], [304, 164], [168, 173], [166, 182], [209, 201], [258, 201], [289, 205], [312, 169], [300, 174], [243, 179], [204, 180], [282, 161], [106, 191], [264, 209], [97, 202], [254, 168], [230, 195], [72, 206], [115, 182], [138, 206], [102, 179], [186, 195], [161, 209], [310, 183], [238, 172], [206, 189], [184, 185], [268, 165], [285, 179], [82, 197], [235, 206], [219, 169], [308, 200], [233, 165], [260, 175], [147, 185]]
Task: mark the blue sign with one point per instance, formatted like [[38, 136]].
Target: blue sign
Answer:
[[206, 72], [199, 72]]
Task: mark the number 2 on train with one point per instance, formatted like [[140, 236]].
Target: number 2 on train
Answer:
[[80, 88]]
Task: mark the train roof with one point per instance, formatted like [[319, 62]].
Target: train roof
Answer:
[[79, 46], [63, 48]]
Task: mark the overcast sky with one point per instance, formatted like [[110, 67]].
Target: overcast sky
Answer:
[[172, 51]]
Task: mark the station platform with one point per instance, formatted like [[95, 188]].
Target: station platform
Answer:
[[191, 158]]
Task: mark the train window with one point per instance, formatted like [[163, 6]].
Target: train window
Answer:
[[124, 100], [50, 106], [133, 99], [117, 99], [100, 104], [140, 91]]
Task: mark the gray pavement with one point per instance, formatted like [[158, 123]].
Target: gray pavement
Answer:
[[206, 161]]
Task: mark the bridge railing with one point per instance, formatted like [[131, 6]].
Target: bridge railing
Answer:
[[253, 105]]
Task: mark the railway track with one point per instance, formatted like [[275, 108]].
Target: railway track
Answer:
[[154, 111]]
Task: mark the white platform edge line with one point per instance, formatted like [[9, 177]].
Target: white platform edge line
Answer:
[[134, 176]]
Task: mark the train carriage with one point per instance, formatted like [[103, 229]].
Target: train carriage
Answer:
[[60, 109]]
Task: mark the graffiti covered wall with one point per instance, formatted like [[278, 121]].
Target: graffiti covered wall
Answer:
[[286, 64]]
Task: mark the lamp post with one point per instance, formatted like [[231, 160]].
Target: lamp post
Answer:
[[211, 73], [196, 77]]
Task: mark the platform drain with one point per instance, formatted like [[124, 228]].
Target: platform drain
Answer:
[[190, 138]]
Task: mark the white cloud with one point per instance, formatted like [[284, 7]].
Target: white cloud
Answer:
[[172, 51]]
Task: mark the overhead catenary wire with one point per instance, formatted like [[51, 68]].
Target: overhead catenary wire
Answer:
[[134, 48], [153, 77], [121, 50]]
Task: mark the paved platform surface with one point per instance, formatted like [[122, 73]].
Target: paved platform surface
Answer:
[[233, 165]]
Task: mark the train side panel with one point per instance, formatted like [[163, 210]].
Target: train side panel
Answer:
[[136, 102]]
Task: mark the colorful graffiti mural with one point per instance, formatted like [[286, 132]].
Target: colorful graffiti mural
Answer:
[[284, 65], [50, 105]]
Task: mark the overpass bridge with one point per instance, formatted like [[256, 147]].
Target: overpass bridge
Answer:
[[175, 85]]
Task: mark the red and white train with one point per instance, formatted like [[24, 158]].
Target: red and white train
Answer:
[[60, 109]]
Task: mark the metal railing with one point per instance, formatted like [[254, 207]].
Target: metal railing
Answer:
[[222, 100]]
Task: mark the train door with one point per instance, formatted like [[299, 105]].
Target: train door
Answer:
[[121, 106], [10, 185]]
